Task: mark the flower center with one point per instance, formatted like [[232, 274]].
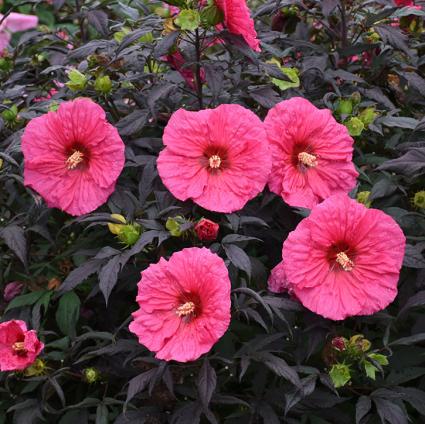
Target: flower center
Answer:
[[19, 348], [214, 161], [75, 159], [307, 159], [185, 309], [346, 263]]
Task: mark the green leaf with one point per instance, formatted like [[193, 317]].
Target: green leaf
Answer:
[[370, 370], [291, 73], [26, 299], [381, 359], [340, 375], [68, 313], [188, 20]]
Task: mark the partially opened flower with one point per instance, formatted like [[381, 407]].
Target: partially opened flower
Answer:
[[278, 282], [344, 259], [312, 153], [73, 157], [184, 305], [19, 347], [219, 158], [237, 20], [14, 22]]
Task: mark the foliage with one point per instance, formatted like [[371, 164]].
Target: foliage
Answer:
[[80, 274]]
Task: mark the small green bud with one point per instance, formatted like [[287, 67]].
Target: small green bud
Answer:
[[91, 375], [368, 115], [340, 375], [5, 64], [103, 84], [363, 197], [345, 106], [77, 80], [10, 115], [119, 36], [419, 199], [355, 126], [188, 20], [38, 367], [53, 107], [372, 37], [173, 225], [356, 98], [130, 234]]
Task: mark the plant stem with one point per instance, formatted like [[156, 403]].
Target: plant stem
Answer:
[[80, 20], [198, 70]]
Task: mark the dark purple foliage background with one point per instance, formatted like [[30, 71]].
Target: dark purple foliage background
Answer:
[[80, 283]]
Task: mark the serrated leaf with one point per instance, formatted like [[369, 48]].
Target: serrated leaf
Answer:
[[363, 406], [207, 381], [14, 237], [108, 276]]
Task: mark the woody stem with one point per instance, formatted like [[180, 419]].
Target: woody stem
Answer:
[[198, 70]]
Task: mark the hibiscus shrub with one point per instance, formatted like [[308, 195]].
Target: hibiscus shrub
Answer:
[[261, 164]]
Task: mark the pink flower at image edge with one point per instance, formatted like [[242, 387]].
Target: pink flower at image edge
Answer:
[[237, 20], [19, 347], [15, 22]]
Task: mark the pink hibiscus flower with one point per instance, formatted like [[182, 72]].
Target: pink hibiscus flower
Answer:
[[19, 347], [311, 153], [73, 157], [237, 20], [344, 259], [184, 305], [219, 157], [14, 22]]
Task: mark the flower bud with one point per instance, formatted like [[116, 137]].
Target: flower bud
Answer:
[[12, 290], [103, 84], [340, 375], [363, 197], [130, 234], [77, 80], [368, 115], [53, 283], [116, 228], [339, 343], [38, 367], [173, 225], [356, 98], [345, 107], [355, 126], [91, 375], [419, 199], [206, 230], [10, 115]]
